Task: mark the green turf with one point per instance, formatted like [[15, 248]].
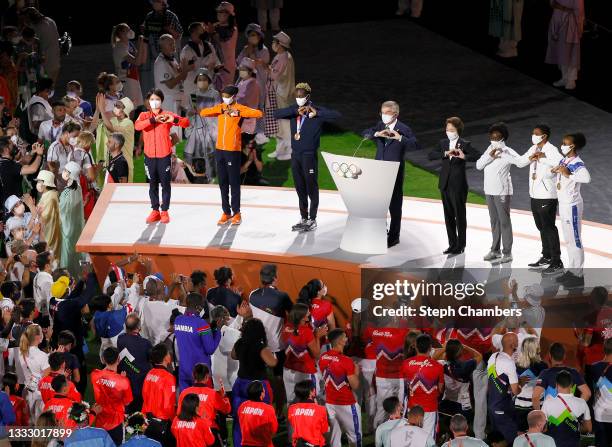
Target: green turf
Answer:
[[418, 182]]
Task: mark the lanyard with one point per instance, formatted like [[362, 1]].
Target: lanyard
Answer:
[[566, 406], [564, 164], [300, 122], [531, 444], [535, 164]]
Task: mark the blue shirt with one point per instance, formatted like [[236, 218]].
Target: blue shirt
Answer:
[[110, 323], [136, 352], [196, 342], [548, 380], [7, 413], [224, 296], [89, 437], [141, 441]]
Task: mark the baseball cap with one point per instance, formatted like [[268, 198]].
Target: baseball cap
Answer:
[[59, 287]]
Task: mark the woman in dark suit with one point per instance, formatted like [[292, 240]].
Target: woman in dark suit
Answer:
[[454, 151]]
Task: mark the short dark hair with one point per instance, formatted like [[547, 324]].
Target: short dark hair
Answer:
[[110, 355], [254, 391], [200, 371], [564, 379], [7, 288], [189, 407], [28, 306], [70, 127], [390, 404], [457, 123], [599, 295], [198, 277], [557, 351], [578, 138], [156, 92], [119, 138], [334, 335], [303, 389], [66, 337], [55, 104], [56, 360], [44, 84], [100, 303], [423, 344], [5, 142], [59, 382], [43, 259], [453, 349], [268, 274], [194, 300], [501, 128], [159, 353], [11, 382], [545, 128], [192, 26], [223, 274]]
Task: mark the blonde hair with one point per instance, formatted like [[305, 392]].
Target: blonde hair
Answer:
[[530, 352], [116, 30], [28, 337], [85, 139], [68, 99]]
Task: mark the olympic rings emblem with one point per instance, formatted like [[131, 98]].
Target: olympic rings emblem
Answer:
[[346, 170]]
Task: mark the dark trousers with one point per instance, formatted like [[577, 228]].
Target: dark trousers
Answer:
[[116, 434], [603, 433], [305, 171], [228, 173], [239, 395], [453, 201], [544, 214], [395, 206], [158, 171], [503, 421]]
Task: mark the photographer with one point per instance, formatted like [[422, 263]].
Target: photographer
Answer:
[[251, 165], [11, 172]]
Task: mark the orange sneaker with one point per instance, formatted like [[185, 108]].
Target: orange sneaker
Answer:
[[165, 217], [225, 218], [236, 219], [153, 217]]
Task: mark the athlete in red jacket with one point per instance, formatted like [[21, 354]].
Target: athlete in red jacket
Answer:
[[57, 364], [60, 403], [112, 392], [159, 388], [308, 420], [155, 127], [258, 422], [188, 428]]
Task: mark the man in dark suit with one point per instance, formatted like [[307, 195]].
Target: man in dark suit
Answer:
[[393, 138], [454, 151]]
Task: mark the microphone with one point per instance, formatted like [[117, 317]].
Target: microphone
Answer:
[[366, 137]]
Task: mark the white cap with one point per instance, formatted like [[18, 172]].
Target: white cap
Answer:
[[359, 305]]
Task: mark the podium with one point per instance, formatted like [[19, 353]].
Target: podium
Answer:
[[366, 187]]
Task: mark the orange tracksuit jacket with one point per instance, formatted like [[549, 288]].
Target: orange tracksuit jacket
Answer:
[[228, 134]]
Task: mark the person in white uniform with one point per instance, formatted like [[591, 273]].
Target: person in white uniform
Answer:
[[411, 432], [570, 174], [459, 428], [534, 437], [496, 162]]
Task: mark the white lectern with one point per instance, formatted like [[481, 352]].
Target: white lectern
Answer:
[[366, 187]]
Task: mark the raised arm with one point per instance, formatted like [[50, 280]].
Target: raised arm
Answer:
[[143, 122], [247, 112], [211, 111], [286, 113]]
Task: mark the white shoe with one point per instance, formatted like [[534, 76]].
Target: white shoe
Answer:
[[560, 83], [261, 139], [273, 154], [284, 156], [570, 85]]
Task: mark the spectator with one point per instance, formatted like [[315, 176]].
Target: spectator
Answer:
[[136, 359], [118, 168], [248, 94], [7, 414], [108, 317], [564, 35], [505, 23], [136, 425], [251, 164], [9, 72], [38, 109], [411, 431], [190, 429], [224, 34], [110, 90], [197, 55], [258, 422], [459, 428], [602, 404], [202, 133], [65, 344], [29, 64], [129, 54], [271, 7], [157, 22], [81, 154], [170, 74], [528, 367], [71, 217], [313, 295], [75, 90], [84, 435], [223, 294], [46, 30], [280, 94], [258, 52], [60, 403], [60, 152], [393, 418], [49, 131], [112, 393], [16, 209], [534, 436], [57, 367], [224, 367], [567, 414], [32, 365], [11, 171], [49, 211], [11, 387]]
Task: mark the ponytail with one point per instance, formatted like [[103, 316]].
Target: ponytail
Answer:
[[309, 291], [27, 338], [116, 30], [297, 314]]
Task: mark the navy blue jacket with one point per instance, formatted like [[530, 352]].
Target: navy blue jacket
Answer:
[[310, 133], [392, 150]]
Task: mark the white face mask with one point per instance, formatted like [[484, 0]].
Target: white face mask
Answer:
[[15, 139], [228, 101], [387, 118], [51, 93], [40, 187], [131, 34], [497, 144], [452, 135], [72, 94], [155, 104], [537, 139], [66, 175], [117, 111], [301, 101], [202, 85], [119, 87], [245, 74], [566, 149], [72, 141]]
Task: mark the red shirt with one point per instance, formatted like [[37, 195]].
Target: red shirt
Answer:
[[22, 414], [336, 367], [192, 433], [476, 338], [422, 375], [297, 356], [47, 392], [319, 311], [258, 423], [389, 345], [159, 394], [112, 392], [309, 422], [60, 406], [211, 402], [156, 136]]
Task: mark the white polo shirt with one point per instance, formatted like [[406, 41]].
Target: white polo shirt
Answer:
[[410, 435], [164, 70]]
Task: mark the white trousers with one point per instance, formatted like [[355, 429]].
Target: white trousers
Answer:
[[386, 388], [571, 225], [430, 423], [344, 419], [291, 378]]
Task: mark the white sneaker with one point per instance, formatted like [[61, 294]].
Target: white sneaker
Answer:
[[273, 154], [559, 83], [284, 156], [570, 85], [491, 256], [506, 258], [261, 139]]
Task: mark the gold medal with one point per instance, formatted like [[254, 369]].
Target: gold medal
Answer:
[[533, 176], [296, 136], [559, 185]]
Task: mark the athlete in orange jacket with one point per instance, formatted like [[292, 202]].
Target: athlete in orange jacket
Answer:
[[229, 147], [155, 127]]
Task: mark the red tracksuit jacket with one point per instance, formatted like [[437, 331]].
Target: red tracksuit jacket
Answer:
[[258, 423], [157, 142], [211, 402], [159, 394]]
